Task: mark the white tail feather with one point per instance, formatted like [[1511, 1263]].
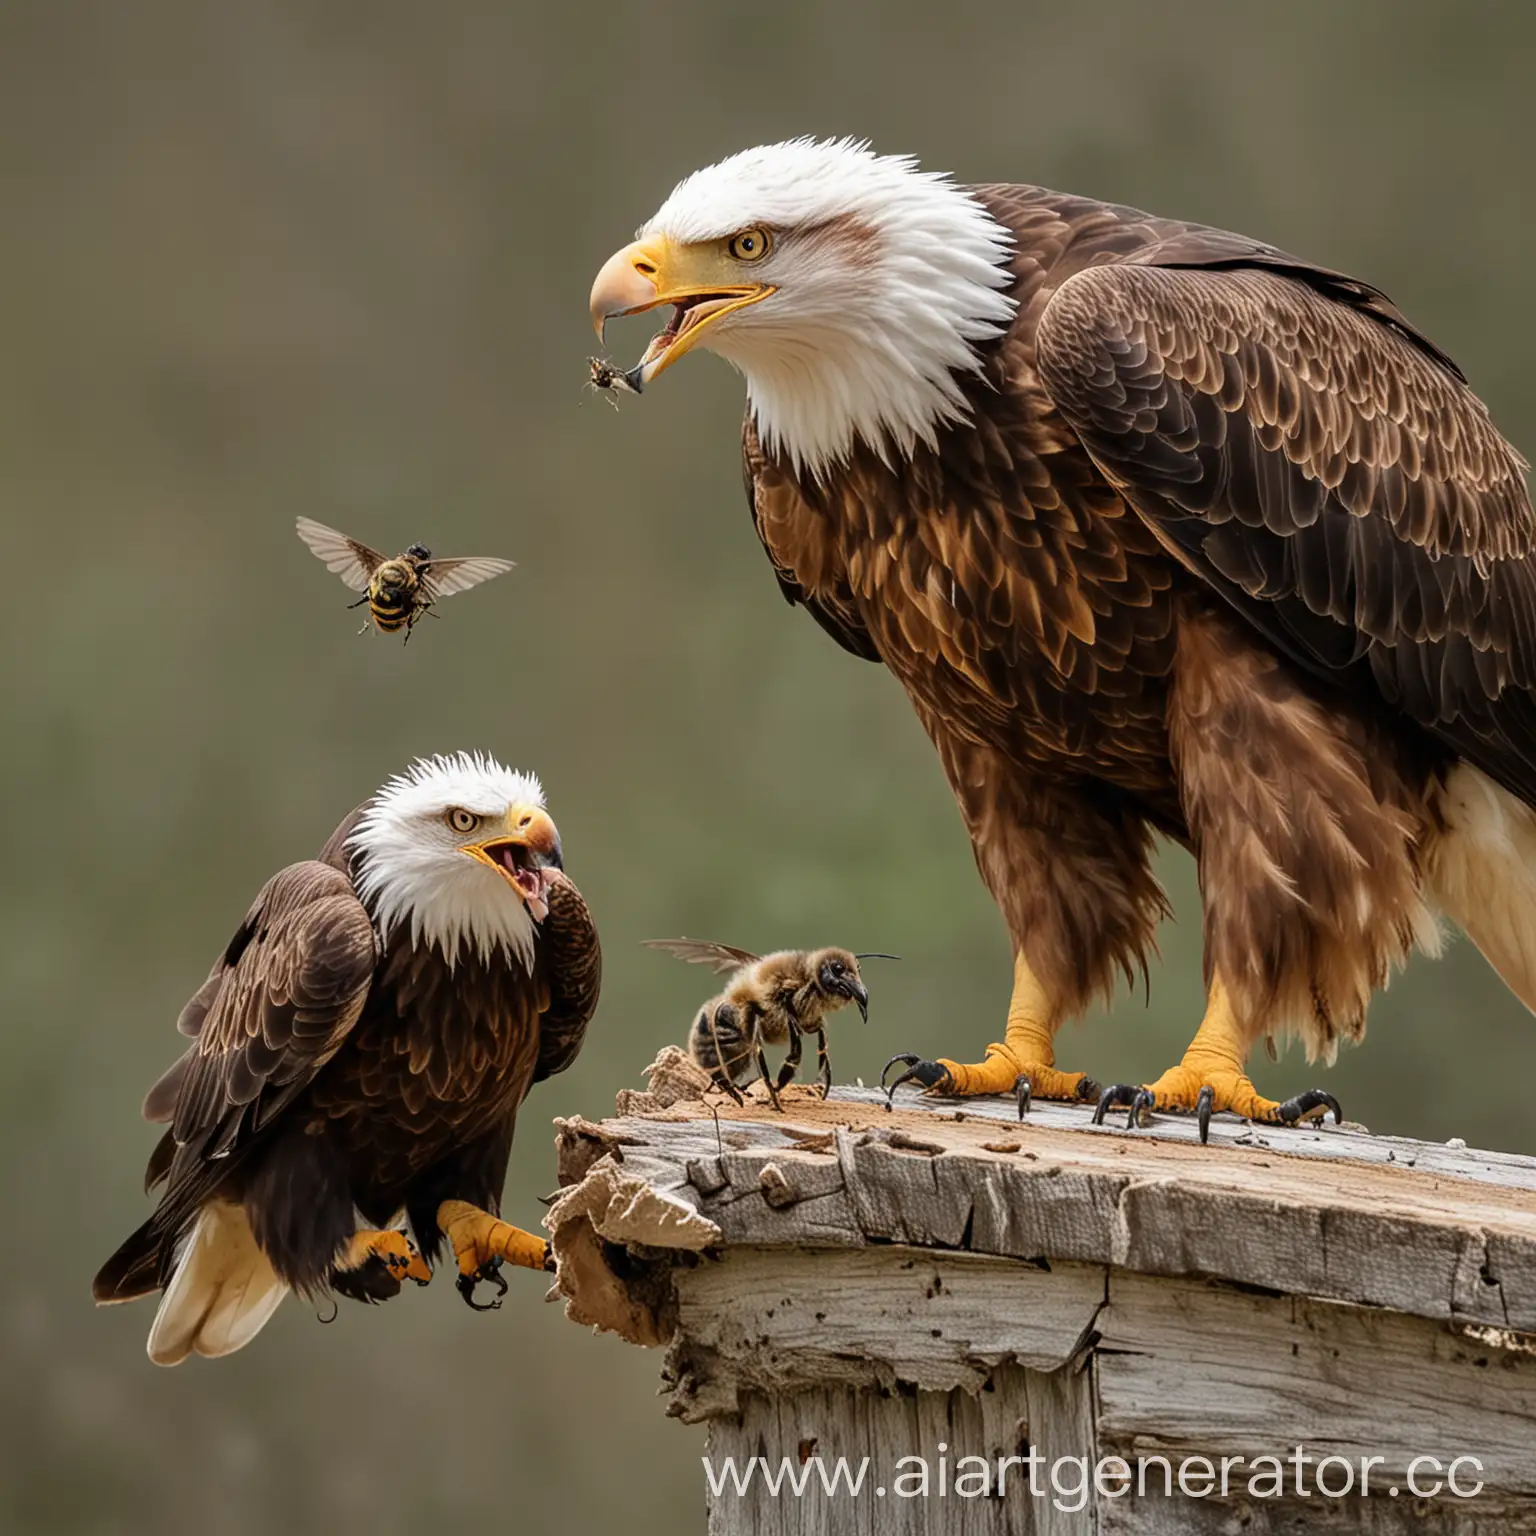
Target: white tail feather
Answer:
[[1482, 871], [222, 1293]]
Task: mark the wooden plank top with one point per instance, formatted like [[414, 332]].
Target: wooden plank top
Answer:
[[1332, 1213]]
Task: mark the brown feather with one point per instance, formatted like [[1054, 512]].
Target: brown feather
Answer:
[[329, 1075], [1178, 414], [575, 964], [1354, 501]]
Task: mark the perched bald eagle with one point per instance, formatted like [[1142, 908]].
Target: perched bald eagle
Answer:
[[360, 1050], [1162, 530]]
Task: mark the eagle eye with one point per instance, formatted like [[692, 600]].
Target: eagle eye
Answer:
[[460, 820], [751, 244]]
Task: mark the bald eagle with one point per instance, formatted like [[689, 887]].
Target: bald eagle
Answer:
[[1163, 531], [360, 1050]]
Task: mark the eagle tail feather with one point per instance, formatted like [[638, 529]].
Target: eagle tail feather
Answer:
[[222, 1292], [1481, 869], [133, 1271]]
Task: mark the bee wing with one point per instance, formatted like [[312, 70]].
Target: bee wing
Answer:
[[723, 957], [445, 577], [352, 561]]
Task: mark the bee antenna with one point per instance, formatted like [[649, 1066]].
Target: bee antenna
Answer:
[[875, 954]]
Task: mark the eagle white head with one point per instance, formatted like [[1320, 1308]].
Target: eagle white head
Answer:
[[850, 288], [457, 848]]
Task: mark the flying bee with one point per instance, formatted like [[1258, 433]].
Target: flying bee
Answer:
[[769, 999], [396, 591], [610, 381]]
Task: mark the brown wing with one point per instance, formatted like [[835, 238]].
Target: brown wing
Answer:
[[1295, 443], [446, 577], [352, 561], [725, 958], [274, 1010], [574, 966], [776, 514]]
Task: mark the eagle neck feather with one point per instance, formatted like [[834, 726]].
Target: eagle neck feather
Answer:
[[463, 914]]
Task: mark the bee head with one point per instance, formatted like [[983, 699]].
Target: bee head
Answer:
[[837, 977], [419, 552]]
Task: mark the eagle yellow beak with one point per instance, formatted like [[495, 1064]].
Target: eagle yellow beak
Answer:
[[528, 846], [703, 281]]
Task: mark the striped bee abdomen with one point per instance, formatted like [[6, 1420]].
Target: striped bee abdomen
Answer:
[[390, 614], [393, 596], [722, 1042]]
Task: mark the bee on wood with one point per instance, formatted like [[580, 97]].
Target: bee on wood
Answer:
[[396, 591], [610, 381], [770, 999]]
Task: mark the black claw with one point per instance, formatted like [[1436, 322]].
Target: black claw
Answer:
[[1203, 1106], [1308, 1103], [1114, 1097], [928, 1074], [1141, 1110], [1021, 1092], [825, 1079], [906, 1058], [490, 1271], [1087, 1090]]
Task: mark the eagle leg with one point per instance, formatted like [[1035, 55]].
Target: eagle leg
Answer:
[[374, 1264], [1025, 1051], [1211, 1077], [481, 1242]]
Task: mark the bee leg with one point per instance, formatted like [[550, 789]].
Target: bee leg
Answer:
[[791, 1064], [358, 604], [762, 1067], [722, 1081], [823, 1064]]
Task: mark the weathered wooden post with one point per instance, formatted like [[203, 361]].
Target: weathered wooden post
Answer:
[[1314, 1330]]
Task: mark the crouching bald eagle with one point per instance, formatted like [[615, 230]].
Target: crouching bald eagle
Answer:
[[360, 1050], [1162, 530]]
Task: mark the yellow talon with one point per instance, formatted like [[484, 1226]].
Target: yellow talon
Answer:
[[479, 1240], [1026, 1051], [392, 1249], [1232, 1089], [1211, 1077], [1003, 1067]]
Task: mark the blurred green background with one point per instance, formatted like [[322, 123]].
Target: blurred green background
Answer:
[[278, 257]]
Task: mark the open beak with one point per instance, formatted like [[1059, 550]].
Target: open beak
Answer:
[[523, 854], [694, 279]]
